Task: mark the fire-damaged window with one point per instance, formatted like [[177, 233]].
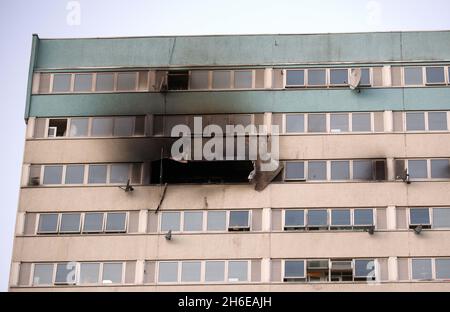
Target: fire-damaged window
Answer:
[[178, 80]]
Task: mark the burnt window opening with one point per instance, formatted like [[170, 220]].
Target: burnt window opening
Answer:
[[214, 172], [57, 128], [178, 80]]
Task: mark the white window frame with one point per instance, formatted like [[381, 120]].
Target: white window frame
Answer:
[[430, 216], [304, 78], [112, 262], [33, 272], [105, 222], [283, 271], [410, 271], [338, 84], [283, 221], [296, 179], [435, 83]]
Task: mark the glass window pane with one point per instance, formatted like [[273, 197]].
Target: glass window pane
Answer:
[[123, 126], [294, 218], [295, 78], [317, 170], [339, 122], [441, 218], [442, 268], [74, 174], [65, 273], [48, 223], [295, 123], [440, 169], [168, 272], [365, 77], [43, 274], [112, 273], [126, 81], [317, 217], [105, 82], [421, 269], [170, 221], [340, 217], [93, 222], [437, 121], [419, 216], [214, 271], [237, 271], [239, 218], [61, 82], [79, 127], [221, 79], [295, 170], [340, 170], [316, 77], [119, 173], [435, 75], [89, 273], [243, 79], [417, 169], [317, 123], [97, 173], [190, 271], [338, 76], [102, 126], [83, 82], [70, 223], [193, 221], [217, 220], [415, 122], [199, 79], [413, 76], [362, 170], [53, 174], [364, 268], [361, 122], [294, 269], [115, 222], [363, 217]]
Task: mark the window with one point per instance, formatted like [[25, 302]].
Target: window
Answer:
[[193, 221], [214, 271], [417, 169], [116, 222], [362, 170], [341, 271], [442, 268], [119, 173], [70, 223], [435, 75], [441, 218], [365, 77], [295, 78], [294, 270], [363, 217], [437, 121], [93, 222], [79, 127], [83, 83], [170, 221], [43, 274], [295, 170], [317, 270], [199, 79], [317, 219], [217, 220], [339, 123], [361, 122], [317, 77], [415, 122], [340, 170], [419, 216], [102, 126], [190, 271], [421, 269], [340, 218], [57, 128], [97, 174], [65, 273], [168, 272], [48, 223], [243, 79], [74, 174], [126, 81], [239, 220], [364, 270], [178, 80], [89, 273], [61, 83], [53, 174], [221, 79], [123, 126], [338, 76], [440, 169], [294, 219], [112, 273], [317, 123], [413, 76], [317, 170], [237, 271], [105, 82], [295, 123]]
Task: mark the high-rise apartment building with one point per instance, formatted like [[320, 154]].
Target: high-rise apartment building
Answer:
[[362, 202]]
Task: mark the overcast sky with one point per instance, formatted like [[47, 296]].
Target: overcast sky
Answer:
[[59, 18]]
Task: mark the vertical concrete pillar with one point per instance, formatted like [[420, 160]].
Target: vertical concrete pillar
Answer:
[[30, 127], [393, 269], [391, 217], [266, 222], [390, 163], [268, 78], [20, 223], [265, 270], [388, 121], [142, 228], [25, 174], [387, 80], [14, 274], [140, 266]]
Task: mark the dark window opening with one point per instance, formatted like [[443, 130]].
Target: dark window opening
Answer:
[[178, 80], [57, 127], [380, 170], [174, 172]]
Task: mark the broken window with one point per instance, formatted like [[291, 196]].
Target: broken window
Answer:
[[57, 128], [317, 270], [178, 80]]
